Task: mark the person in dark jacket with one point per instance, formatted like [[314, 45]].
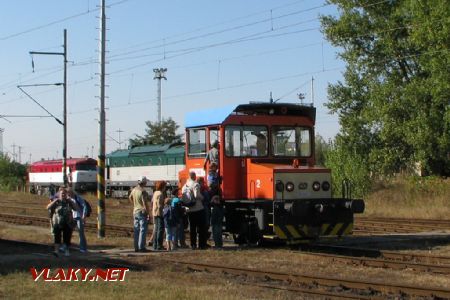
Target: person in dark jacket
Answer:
[[61, 208], [217, 213], [171, 221]]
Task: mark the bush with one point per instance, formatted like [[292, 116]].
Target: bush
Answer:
[[12, 174], [347, 166]]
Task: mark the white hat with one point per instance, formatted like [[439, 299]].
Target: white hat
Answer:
[[142, 179]]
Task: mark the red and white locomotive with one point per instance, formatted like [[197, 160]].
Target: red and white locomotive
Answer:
[[81, 173]]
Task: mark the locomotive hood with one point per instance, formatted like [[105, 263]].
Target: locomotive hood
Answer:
[[274, 181]]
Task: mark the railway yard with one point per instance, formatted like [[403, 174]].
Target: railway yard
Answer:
[[385, 258]]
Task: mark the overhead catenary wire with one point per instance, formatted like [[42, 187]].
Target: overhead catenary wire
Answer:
[[165, 43], [40, 105], [215, 89], [201, 48], [224, 60], [64, 19], [187, 51], [245, 38], [211, 26]]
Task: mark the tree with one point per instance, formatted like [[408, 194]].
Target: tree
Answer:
[[393, 104], [12, 174], [321, 148], [156, 133]]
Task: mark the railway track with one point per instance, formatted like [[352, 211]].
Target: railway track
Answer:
[[430, 222], [324, 286], [37, 208], [304, 284], [116, 230], [377, 225], [381, 259], [41, 209], [362, 225], [375, 253], [349, 255]]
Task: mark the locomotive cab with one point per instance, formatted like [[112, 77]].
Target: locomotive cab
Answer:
[[269, 182]]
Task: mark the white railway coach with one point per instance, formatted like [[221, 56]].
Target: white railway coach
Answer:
[[156, 162]]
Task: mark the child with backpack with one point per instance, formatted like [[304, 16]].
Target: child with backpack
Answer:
[[180, 240], [213, 179], [62, 220], [170, 223]]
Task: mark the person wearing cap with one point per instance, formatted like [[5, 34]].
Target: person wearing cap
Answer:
[[140, 200]]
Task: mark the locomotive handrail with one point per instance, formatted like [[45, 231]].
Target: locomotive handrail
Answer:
[[252, 185], [346, 189]]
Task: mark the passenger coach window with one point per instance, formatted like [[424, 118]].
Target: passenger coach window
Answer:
[[291, 141], [246, 141], [197, 142]]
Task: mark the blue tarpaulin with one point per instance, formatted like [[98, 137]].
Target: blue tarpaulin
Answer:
[[208, 116]]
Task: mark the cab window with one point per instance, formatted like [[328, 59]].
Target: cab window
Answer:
[[291, 141], [197, 142], [246, 141], [213, 136]]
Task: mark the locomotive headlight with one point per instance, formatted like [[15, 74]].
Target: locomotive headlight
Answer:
[[325, 186], [279, 186], [290, 186], [302, 186], [316, 186]]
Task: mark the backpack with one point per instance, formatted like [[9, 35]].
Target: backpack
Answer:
[[177, 210], [170, 216], [62, 215], [86, 203], [187, 196]]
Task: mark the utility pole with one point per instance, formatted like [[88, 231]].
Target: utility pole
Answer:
[[20, 154], [1, 141], [312, 90], [159, 74], [120, 143], [64, 123], [14, 151], [102, 130]]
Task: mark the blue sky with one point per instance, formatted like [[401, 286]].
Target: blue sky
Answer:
[[216, 52]]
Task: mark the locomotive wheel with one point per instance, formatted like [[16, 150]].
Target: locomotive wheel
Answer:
[[239, 239], [249, 234]]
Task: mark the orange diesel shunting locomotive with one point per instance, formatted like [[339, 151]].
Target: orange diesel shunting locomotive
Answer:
[[269, 184]]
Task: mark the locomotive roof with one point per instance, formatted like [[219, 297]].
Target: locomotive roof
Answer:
[[69, 161], [173, 148], [219, 115]]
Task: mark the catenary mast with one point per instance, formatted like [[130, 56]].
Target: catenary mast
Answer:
[[102, 131]]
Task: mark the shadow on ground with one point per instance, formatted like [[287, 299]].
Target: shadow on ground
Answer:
[[20, 256]]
